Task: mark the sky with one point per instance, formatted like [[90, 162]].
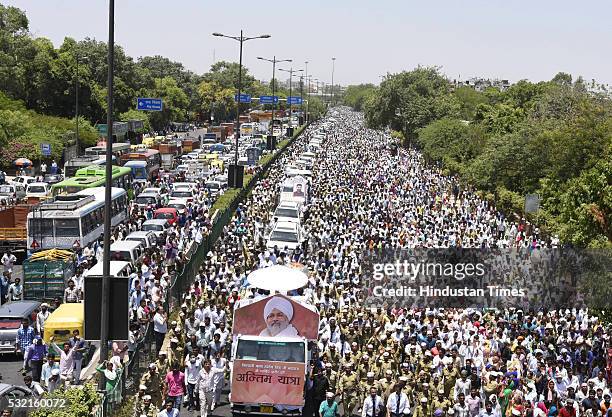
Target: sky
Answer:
[[511, 39]]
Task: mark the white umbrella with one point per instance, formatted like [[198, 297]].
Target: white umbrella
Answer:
[[277, 278]]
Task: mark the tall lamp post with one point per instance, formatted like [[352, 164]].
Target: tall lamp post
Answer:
[[332, 80], [307, 90], [273, 61], [290, 71], [76, 110], [240, 39], [104, 319]]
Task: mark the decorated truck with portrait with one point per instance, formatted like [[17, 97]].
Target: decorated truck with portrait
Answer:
[[270, 357]]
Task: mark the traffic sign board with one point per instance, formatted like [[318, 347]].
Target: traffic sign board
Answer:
[[149, 104], [268, 99], [244, 98], [294, 100], [45, 149]]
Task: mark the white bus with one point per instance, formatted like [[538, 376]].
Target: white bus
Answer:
[[75, 219]]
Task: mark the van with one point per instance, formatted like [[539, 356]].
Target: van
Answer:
[[39, 190], [63, 321], [148, 239], [117, 269], [127, 250]]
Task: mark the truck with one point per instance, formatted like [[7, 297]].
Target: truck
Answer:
[[13, 236], [270, 357], [45, 278]]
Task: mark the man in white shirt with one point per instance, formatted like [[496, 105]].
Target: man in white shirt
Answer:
[[206, 388], [8, 260], [41, 317], [160, 327], [192, 372], [219, 363], [15, 291], [397, 404], [372, 405]]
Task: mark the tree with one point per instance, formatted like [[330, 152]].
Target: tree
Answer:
[[562, 78], [175, 103], [410, 100], [356, 95], [468, 100]]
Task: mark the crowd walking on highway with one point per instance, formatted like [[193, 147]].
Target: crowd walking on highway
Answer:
[[365, 195]]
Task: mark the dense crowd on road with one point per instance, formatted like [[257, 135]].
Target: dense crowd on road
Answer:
[[365, 195], [395, 361]]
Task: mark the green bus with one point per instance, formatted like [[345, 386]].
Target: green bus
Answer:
[[93, 176]]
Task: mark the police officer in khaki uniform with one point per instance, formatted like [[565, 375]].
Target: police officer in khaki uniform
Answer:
[[146, 408], [422, 409], [349, 390], [154, 382], [332, 376], [385, 385], [441, 402]]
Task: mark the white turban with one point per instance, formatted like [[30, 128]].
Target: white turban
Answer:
[[281, 304]]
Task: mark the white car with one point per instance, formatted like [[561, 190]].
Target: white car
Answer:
[[190, 185], [38, 190], [180, 204], [287, 211], [23, 180], [285, 235]]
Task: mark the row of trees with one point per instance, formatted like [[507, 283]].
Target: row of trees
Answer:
[[44, 79], [550, 138]]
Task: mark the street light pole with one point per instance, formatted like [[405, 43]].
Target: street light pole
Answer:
[[332, 80], [307, 91], [290, 71], [273, 61], [104, 319], [240, 39]]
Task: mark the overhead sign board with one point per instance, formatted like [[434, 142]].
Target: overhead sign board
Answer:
[[149, 104], [268, 99], [294, 100], [244, 98], [119, 128], [45, 149]]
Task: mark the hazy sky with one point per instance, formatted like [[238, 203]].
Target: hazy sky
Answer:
[[510, 39]]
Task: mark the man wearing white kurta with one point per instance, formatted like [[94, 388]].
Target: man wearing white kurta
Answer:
[[278, 313], [206, 388]]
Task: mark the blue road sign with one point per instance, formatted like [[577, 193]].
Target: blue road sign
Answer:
[[45, 149], [294, 100], [244, 98], [268, 100], [149, 104]]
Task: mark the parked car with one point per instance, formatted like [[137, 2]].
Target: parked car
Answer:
[[157, 226], [22, 180], [53, 178], [147, 238], [11, 315], [11, 192], [168, 213]]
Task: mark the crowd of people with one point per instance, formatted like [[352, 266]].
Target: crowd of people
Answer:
[[365, 196], [385, 361]]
